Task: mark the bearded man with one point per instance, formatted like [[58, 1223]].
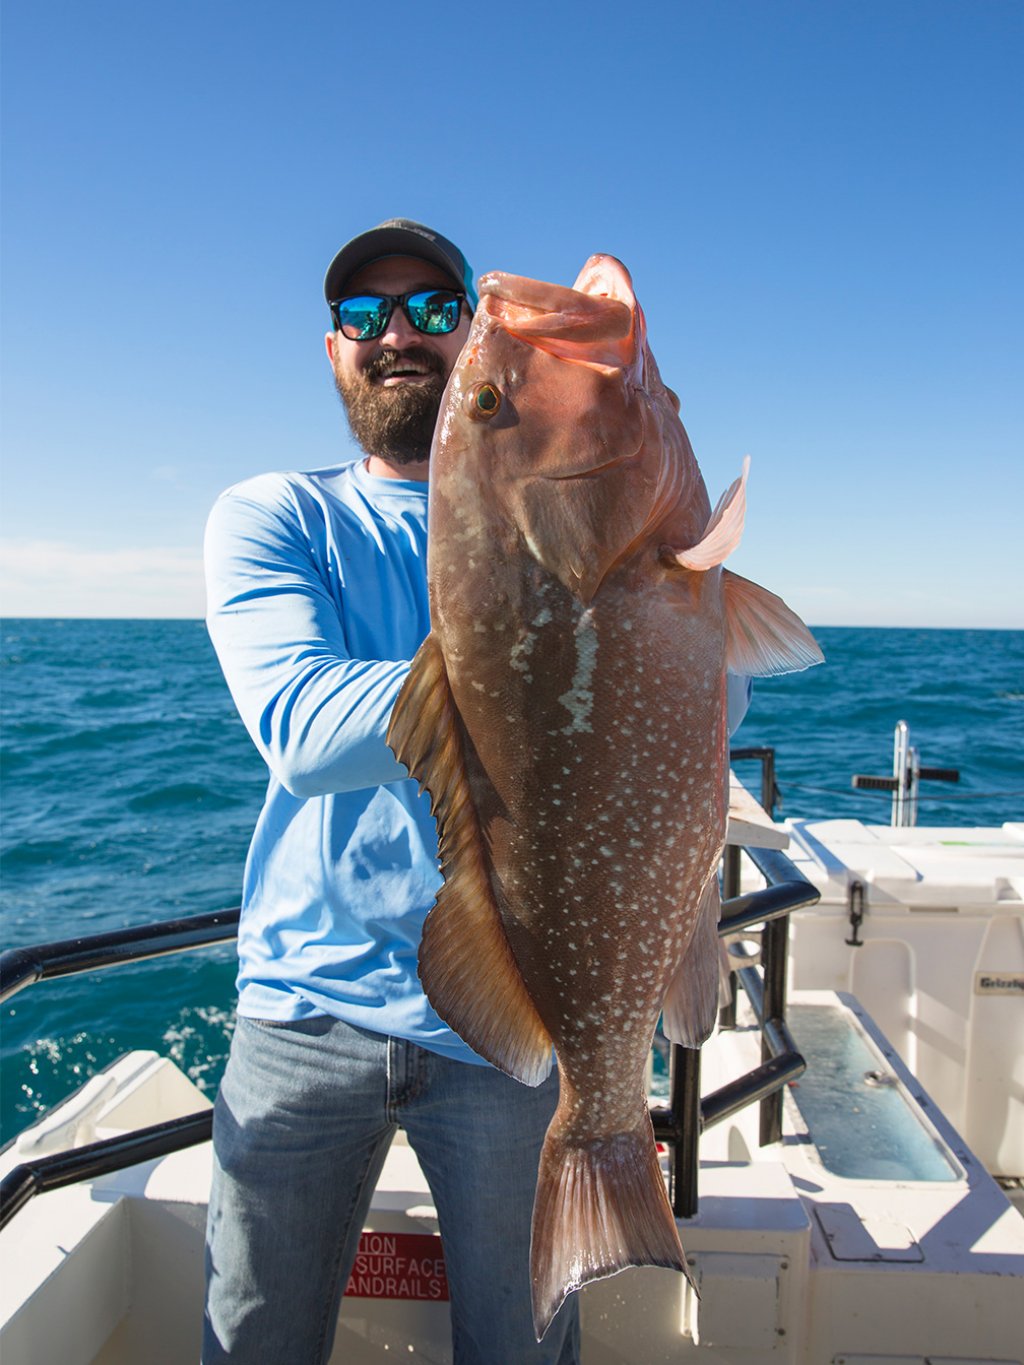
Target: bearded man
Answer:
[[317, 602]]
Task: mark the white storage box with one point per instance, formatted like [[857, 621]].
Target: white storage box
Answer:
[[940, 961]]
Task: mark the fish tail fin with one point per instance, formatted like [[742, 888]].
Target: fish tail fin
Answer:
[[601, 1206]]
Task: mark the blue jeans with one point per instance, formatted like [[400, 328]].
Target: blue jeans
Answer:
[[303, 1121]]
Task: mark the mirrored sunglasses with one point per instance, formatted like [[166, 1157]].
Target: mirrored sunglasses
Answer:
[[363, 317]]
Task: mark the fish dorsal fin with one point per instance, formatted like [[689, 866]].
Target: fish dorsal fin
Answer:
[[722, 533], [691, 1001], [466, 964], [762, 635]]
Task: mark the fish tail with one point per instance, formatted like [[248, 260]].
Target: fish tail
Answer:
[[601, 1206]]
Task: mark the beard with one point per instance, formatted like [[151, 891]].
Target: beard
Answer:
[[395, 423]]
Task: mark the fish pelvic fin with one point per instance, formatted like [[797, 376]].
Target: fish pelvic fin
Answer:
[[600, 1207], [691, 1001], [762, 635], [465, 963], [722, 533]]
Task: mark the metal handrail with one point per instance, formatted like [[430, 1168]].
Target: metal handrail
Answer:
[[39, 1174], [769, 788], [21, 967]]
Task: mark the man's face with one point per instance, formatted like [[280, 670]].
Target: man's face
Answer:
[[391, 387]]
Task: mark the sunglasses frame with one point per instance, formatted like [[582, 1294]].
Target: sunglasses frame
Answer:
[[393, 301]]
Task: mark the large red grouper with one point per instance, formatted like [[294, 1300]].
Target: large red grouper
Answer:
[[566, 714]]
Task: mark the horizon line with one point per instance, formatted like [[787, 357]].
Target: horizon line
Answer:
[[817, 625]]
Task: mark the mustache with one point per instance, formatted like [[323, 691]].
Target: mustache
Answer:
[[388, 361]]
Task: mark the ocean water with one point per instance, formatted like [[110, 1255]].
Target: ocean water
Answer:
[[129, 790]]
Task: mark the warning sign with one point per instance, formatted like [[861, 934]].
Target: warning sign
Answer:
[[399, 1265]]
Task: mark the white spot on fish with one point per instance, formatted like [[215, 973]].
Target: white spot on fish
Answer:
[[579, 700], [521, 651]]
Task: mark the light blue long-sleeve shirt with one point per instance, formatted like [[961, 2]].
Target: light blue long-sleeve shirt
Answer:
[[316, 603]]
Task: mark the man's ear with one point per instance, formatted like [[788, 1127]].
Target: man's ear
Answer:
[[329, 343]]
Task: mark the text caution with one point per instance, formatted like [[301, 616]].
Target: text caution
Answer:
[[399, 1265]]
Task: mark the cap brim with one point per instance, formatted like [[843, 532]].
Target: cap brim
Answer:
[[390, 241]]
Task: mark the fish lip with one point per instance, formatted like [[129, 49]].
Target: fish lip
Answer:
[[598, 330], [574, 320], [535, 297]]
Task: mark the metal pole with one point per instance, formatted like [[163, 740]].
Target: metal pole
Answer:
[[914, 765], [901, 743], [774, 951], [768, 787], [684, 1089], [730, 890]]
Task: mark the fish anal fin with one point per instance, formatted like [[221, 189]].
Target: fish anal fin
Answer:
[[762, 635], [466, 964], [691, 1001], [600, 1206], [722, 533]]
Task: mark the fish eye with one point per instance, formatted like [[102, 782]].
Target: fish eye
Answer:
[[483, 401]]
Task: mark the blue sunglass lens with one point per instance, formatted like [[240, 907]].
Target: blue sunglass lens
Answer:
[[363, 317], [434, 311]]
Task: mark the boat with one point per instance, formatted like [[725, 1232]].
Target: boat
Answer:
[[843, 1156]]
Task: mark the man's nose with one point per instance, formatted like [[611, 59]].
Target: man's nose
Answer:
[[399, 332]]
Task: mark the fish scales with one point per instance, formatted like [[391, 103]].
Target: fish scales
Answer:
[[567, 716]]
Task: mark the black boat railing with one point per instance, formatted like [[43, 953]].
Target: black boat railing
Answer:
[[769, 788], [678, 1124], [681, 1122], [39, 1174], [21, 967]]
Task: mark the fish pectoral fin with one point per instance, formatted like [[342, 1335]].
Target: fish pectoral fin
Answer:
[[762, 635], [465, 964], [691, 1001], [722, 533]]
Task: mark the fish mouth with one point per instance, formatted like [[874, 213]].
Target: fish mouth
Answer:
[[596, 323]]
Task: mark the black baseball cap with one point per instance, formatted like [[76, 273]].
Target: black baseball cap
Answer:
[[398, 237]]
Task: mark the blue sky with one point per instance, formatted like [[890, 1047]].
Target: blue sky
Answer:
[[819, 201]]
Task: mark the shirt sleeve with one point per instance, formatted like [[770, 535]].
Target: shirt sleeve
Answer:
[[317, 715]]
